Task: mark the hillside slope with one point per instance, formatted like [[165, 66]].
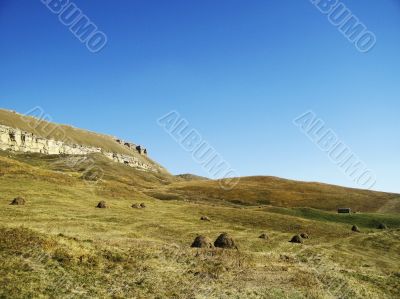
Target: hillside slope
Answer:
[[251, 191], [254, 191], [68, 134], [60, 243]]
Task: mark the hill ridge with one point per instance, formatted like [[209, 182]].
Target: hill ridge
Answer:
[[21, 133]]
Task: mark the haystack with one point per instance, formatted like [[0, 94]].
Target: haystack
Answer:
[[102, 205], [18, 201], [139, 206], [202, 242], [296, 239], [225, 241], [304, 236]]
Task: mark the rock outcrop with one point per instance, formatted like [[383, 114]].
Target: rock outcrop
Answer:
[[20, 141], [130, 161], [132, 146]]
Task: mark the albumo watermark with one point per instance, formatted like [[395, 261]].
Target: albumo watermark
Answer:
[[78, 23], [40, 122], [202, 152], [338, 152], [347, 23]]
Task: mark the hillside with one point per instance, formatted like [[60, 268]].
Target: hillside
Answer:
[[251, 191], [261, 191], [48, 130], [191, 177], [59, 244], [59, 235]]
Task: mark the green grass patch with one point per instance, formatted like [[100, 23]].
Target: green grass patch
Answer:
[[367, 220]]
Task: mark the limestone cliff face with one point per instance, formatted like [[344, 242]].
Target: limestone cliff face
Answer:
[[19, 141]]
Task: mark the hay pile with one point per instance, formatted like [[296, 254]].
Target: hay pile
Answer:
[[202, 242], [101, 205], [304, 236], [225, 241], [18, 201], [296, 239], [139, 206]]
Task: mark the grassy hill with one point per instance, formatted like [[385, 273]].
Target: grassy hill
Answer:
[[191, 177], [68, 134], [260, 191], [60, 243]]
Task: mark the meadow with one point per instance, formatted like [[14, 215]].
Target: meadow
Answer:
[[60, 245]]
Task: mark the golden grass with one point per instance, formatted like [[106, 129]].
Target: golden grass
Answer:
[[264, 191], [60, 243]]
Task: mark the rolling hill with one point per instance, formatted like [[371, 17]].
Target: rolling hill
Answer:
[[59, 244], [261, 191]]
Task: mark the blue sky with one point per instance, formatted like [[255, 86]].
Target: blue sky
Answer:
[[238, 71]]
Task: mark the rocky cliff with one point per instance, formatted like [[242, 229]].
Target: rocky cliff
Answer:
[[17, 140]]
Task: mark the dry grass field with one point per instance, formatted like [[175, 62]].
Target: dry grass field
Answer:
[[59, 245], [256, 191]]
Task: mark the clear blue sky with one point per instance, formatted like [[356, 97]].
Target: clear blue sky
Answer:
[[239, 71]]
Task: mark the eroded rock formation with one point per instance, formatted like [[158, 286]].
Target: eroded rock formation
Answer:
[[19, 141], [132, 146]]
